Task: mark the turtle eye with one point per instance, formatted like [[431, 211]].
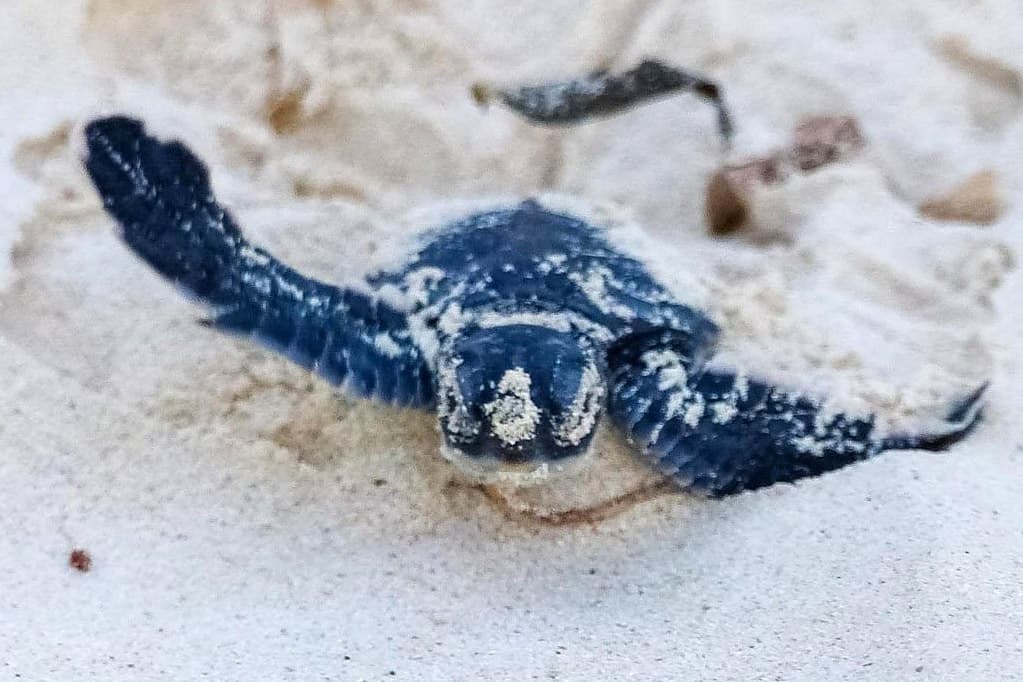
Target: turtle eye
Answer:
[[455, 416], [578, 417]]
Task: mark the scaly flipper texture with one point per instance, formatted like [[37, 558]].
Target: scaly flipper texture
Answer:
[[718, 433], [160, 194]]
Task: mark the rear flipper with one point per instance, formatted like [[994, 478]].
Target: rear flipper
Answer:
[[603, 94], [720, 434], [160, 194]]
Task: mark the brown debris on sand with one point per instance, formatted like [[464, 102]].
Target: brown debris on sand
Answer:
[[816, 142], [976, 200], [80, 560]]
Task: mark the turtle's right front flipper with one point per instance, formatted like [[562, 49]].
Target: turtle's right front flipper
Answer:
[[718, 433], [160, 194]]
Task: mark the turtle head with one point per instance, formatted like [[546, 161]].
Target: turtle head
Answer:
[[517, 402]]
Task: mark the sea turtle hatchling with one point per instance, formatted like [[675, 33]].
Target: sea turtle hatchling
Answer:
[[520, 326]]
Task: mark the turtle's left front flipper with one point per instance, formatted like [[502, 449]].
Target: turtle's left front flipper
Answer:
[[160, 195], [719, 433]]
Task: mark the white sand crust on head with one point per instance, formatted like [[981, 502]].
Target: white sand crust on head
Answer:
[[245, 522], [513, 414]]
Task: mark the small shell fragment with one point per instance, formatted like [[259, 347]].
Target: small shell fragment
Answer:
[[976, 200], [817, 141], [820, 140], [728, 192], [80, 560]]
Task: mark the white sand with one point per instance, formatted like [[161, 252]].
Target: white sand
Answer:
[[246, 524]]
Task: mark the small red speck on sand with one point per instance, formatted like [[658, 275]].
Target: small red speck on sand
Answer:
[[80, 560]]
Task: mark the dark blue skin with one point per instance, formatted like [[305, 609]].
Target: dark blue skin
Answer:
[[554, 360], [492, 298], [496, 259]]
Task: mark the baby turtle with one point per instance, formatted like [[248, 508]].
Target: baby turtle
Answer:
[[520, 326]]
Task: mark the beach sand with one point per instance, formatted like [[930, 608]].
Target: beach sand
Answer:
[[243, 522]]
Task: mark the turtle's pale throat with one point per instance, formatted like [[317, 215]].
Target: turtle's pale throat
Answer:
[[524, 474]]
